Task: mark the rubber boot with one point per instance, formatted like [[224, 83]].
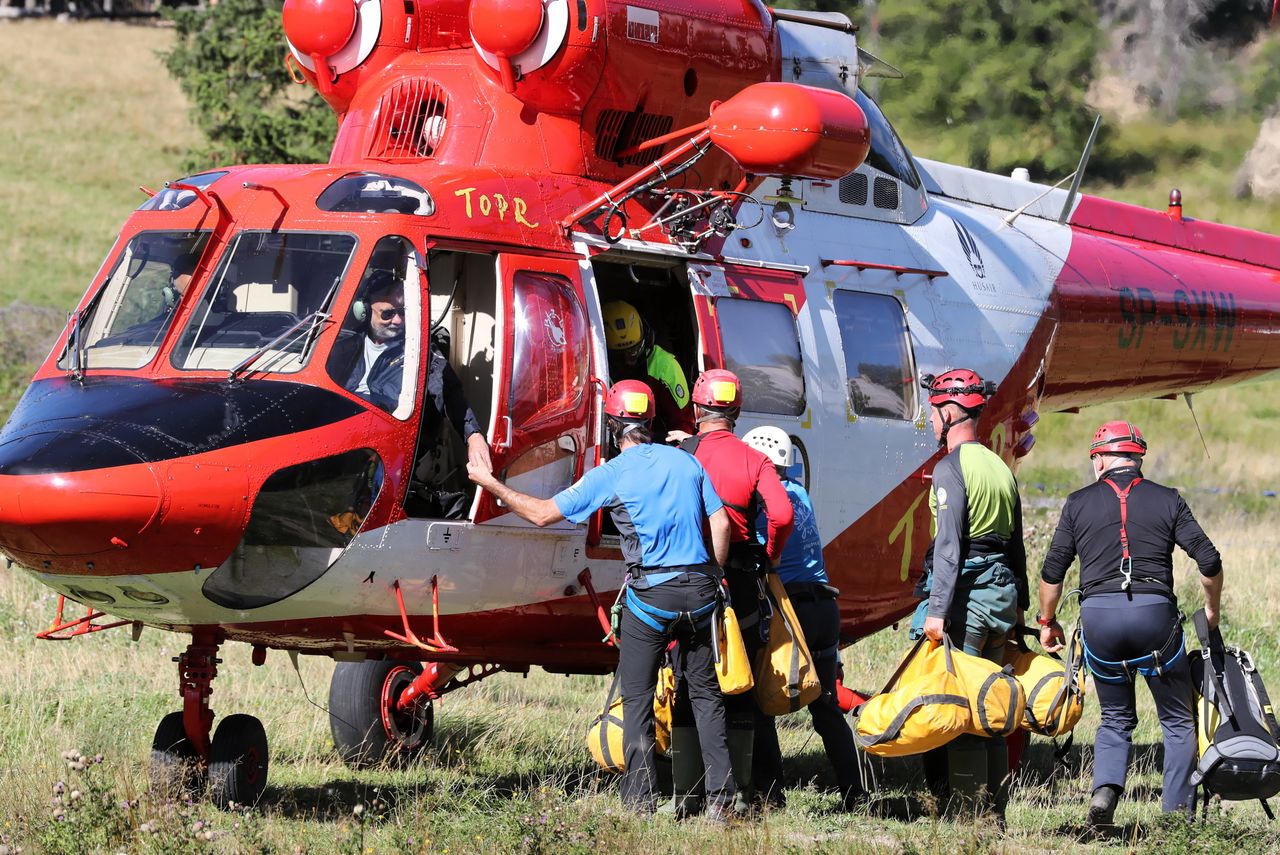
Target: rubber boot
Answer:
[[686, 774], [741, 748], [1102, 808], [967, 775], [999, 777]]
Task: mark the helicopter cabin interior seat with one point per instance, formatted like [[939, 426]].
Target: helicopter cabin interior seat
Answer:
[[266, 297]]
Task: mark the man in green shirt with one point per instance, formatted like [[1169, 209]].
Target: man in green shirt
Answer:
[[975, 586], [633, 355]]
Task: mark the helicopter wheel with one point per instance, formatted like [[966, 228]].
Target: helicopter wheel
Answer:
[[175, 770], [367, 728], [238, 762]]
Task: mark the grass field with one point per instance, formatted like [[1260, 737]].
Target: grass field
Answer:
[[90, 115]]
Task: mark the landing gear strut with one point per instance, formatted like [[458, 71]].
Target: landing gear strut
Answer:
[[184, 757]]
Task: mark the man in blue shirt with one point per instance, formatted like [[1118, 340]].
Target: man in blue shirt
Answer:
[[804, 575], [659, 497]]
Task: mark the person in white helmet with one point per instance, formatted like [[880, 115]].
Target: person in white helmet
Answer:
[[804, 575]]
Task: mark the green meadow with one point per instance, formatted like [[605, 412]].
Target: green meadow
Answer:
[[90, 115]]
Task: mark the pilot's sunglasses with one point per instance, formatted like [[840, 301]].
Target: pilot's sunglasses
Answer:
[[388, 314]]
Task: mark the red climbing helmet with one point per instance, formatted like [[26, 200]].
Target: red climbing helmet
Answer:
[[1117, 438], [958, 386], [630, 399], [717, 388]]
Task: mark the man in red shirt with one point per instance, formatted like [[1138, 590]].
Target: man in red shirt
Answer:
[[744, 479]]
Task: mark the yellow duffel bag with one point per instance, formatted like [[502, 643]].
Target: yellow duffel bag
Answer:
[[996, 698], [733, 668], [604, 738], [786, 679], [1055, 689], [922, 707]]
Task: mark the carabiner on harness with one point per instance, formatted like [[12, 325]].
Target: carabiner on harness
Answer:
[[1126, 571]]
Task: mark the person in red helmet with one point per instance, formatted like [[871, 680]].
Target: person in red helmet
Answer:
[[1124, 527], [744, 479], [975, 584], [659, 498]]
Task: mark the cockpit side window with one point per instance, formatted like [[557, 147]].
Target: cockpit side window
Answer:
[[266, 304], [124, 325], [377, 352], [887, 153]]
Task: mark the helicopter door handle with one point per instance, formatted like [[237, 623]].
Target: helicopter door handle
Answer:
[[506, 442]]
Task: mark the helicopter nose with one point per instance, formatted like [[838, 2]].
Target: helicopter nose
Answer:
[[143, 516], [74, 514]]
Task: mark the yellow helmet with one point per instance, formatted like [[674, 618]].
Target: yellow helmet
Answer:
[[622, 326]]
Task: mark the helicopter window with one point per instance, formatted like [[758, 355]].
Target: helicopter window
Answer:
[[378, 345], [174, 199], [125, 323], [877, 355], [762, 346], [887, 153], [266, 304], [373, 193], [301, 519], [549, 371]]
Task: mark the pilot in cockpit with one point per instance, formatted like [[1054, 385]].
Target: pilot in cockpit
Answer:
[[149, 332], [371, 365]]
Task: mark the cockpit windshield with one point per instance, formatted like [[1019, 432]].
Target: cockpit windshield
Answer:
[[266, 303], [124, 325]]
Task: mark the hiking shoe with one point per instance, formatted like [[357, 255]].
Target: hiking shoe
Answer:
[[1102, 809], [719, 813]]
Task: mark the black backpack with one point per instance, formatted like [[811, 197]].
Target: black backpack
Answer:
[[1236, 727]]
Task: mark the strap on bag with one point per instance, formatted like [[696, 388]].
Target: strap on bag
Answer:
[[1214, 653], [604, 719]]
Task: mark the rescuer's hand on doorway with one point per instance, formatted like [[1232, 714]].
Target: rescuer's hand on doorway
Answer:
[[482, 474], [478, 453]]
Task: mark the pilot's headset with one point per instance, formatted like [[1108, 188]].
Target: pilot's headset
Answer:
[[377, 282], [182, 265]]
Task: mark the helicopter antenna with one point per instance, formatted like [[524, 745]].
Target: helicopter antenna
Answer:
[[1186, 396], [1079, 173]]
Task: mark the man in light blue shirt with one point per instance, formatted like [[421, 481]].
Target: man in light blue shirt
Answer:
[[659, 497]]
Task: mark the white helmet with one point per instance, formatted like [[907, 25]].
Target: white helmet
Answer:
[[772, 442]]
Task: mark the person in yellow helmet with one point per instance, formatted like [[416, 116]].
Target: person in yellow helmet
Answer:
[[633, 355]]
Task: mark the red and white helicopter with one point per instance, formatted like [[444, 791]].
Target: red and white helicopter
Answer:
[[186, 459]]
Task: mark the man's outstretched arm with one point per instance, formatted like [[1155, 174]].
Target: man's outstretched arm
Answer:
[[540, 512]]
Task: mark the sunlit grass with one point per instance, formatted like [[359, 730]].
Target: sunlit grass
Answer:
[[89, 115]]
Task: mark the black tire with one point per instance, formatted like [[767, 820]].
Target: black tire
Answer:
[[175, 769], [238, 762], [367, 730]]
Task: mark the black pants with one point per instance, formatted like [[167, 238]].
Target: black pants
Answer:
[[641, 649], [741, 711], [820, 622], [1118, 628]]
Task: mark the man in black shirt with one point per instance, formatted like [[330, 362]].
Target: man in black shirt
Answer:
[[1124, 528]]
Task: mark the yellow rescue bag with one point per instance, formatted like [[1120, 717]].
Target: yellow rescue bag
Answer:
[[1055, 689], [733, 669], [922, 707], [996, 699], [786, 680], [604, 737]]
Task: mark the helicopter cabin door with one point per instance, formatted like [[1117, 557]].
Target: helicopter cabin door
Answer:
[[544, 395]]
